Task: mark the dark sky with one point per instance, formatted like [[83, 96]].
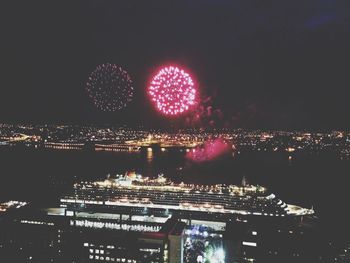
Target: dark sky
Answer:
[[263, 64]]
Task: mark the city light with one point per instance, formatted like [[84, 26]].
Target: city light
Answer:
[[215, 255]]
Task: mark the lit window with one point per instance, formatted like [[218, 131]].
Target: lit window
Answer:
[[250, 244]]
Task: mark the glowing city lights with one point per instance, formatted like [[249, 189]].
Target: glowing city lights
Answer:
[[172, 90], [215, 255]]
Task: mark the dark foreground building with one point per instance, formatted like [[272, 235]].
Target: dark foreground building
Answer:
[[31, 235], [134, 219]]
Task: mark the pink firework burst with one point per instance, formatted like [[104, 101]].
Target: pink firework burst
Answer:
[[172, 90], [210, 150]]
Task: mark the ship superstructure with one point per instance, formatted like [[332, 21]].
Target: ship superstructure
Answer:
[[159, 196]]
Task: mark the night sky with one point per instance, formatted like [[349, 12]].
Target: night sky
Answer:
[[259, 64]]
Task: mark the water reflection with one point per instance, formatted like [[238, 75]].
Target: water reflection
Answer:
[[149, 155]]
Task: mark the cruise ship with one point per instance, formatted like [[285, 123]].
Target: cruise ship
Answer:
[[131, 219], [134, 194]]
